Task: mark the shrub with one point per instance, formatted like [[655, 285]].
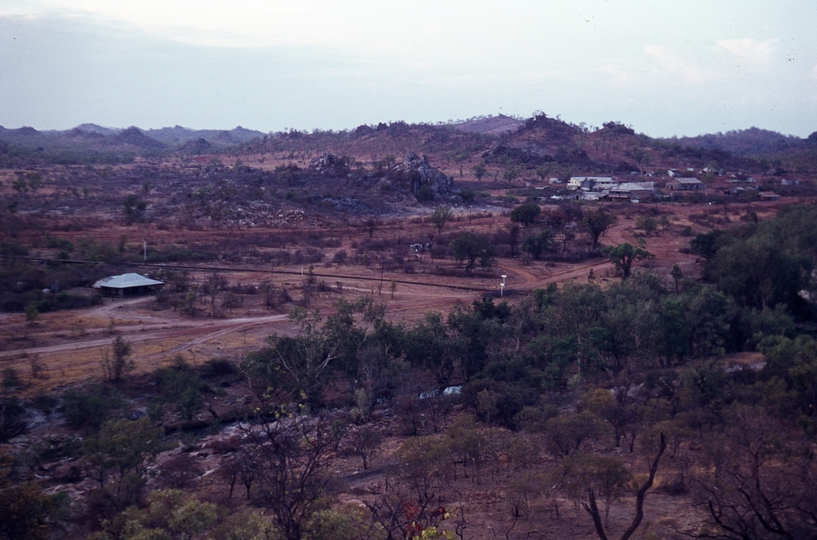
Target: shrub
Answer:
[[218, 367], [92, 407], [11, 424], [11, 378], [424, 193]]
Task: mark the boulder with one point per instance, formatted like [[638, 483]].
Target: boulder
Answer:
[[420, 173], [329, 165]]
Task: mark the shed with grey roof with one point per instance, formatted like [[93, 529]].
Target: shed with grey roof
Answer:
[[127, 285]]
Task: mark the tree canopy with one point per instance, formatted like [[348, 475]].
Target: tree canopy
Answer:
[[469, 247], [526, 214]]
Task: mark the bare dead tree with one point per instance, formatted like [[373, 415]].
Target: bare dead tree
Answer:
[[292, 459], [592, 508]]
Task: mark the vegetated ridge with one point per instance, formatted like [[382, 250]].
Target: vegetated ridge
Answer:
[[529, 144]]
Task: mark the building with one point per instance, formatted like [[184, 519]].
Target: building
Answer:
[[127, 285], [685, 184], [769, 196], [591, 183], [632, 190]]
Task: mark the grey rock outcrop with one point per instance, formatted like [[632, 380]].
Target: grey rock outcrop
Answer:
[[329, 165], [420, 173]]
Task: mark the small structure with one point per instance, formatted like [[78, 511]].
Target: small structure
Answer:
[[769, 196], [632, 190], [592, 183], [127, 285], [685, 184], [741, 179]]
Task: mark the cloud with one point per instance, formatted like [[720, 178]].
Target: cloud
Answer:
[[670, 62], [751, 51]]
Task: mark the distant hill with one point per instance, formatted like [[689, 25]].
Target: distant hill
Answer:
[[178, 135], [750, 142], [490, 125], [91, 143], [135, 137], [547, 145], [94, 128]]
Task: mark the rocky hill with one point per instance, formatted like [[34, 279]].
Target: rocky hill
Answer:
[[752, 142], [545, 144], [490, 125]]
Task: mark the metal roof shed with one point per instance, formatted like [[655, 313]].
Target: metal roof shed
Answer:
[[127, 285]]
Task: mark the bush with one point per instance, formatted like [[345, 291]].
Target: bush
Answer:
[[181, 388], [499, 402], [424, 193], [92, 407], [11, 413], [218, 367], [11, 378]]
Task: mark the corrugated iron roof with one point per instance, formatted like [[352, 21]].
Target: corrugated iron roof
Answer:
[[126, 281]]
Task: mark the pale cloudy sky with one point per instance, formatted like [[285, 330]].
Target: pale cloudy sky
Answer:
[[664, 67]]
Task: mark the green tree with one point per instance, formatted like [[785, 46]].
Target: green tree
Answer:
[[122, 447], [468, 195], [440, 216], [470, 247], [118, 457], [526, 214], [133, 208], [614, 410], [761, 271], [677, 275], [567, 434], [793, 361], [624, 255], [582, 473], [648, 224], [480, 171], [707, 244], [115, 361], [538, 244], [597, 221], [27, 513], [32, 313], [294, 364]]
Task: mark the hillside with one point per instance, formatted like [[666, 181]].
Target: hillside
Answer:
[[90, 143], [490, 125], [752, 142], [548, 146]]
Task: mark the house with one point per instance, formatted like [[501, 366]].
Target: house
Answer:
[[591, 183], [741, 179], [675, 173], [685, 184], [769, 196], [127, 285], [632, 190]]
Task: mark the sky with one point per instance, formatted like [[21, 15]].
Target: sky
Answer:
[[665, 68]]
